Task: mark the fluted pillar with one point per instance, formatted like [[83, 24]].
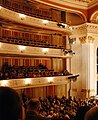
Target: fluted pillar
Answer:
[[88, 66]]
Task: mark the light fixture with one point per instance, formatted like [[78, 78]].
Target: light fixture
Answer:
[[22, 16], [4, 83], [45, 50], [72, 41], [66, 52], [0, 7], [22, 48], [71, 28], [64, 25], [45, 21], [50, 80], [27, 81]]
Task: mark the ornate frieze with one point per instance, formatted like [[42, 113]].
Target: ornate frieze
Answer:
[[82, 40], [84, 29], [86, 39], [86, 32], [90, 39]]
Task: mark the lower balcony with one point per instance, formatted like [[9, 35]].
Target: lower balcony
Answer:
[[35, 82]]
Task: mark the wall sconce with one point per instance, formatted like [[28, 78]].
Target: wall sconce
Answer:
[[50, 80], [62, 25], [45, 50], [27, 81], [72, 41], [68, 52], [45, 21], [22, 16], [22, 48]]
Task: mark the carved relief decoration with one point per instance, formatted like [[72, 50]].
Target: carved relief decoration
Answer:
[[84, 29], [86, 39], [90, 39], [94, 17], [82, 40]]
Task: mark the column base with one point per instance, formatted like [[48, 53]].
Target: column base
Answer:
[[86, 93]]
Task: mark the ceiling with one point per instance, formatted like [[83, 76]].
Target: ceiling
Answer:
[[86, 1], [75, 3]]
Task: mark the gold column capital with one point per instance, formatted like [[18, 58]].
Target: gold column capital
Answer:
[[90, 39], [86, 39], [82, 39]]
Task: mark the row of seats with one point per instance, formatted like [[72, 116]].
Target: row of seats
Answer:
[[30, 10], [29, 42], [13, 72]]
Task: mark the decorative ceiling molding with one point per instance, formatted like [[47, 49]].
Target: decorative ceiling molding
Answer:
[[90, 39], [83, 4], [94, 17], [86, 39], [85, 29]]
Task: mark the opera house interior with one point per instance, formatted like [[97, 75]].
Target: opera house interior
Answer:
[[49, 47]]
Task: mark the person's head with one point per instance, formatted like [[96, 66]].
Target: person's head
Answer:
[[10, 104], [33, 104], [81, 112], [92, 114]]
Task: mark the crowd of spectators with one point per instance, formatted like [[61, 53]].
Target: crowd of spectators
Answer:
[[49, 108], [66, 109], [16, 72]]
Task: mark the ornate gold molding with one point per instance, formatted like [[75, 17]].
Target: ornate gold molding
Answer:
[[85, 29], [82, 39], [90, 39], [86, 39]]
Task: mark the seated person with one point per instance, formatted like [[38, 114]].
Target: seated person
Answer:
[[92, 114], [10, 104], [33, 107], [81, 112], [65, 72]]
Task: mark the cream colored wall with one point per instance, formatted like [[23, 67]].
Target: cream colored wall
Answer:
[[61, 90], [76, 68], [57, 64]]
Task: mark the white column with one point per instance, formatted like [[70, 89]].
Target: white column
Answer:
[[88, 70]]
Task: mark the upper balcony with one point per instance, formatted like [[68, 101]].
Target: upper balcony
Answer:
[[43, 24]]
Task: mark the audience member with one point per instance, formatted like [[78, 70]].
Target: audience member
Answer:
[[33, 107], [92, 114], [10, 104], [81, 112]]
